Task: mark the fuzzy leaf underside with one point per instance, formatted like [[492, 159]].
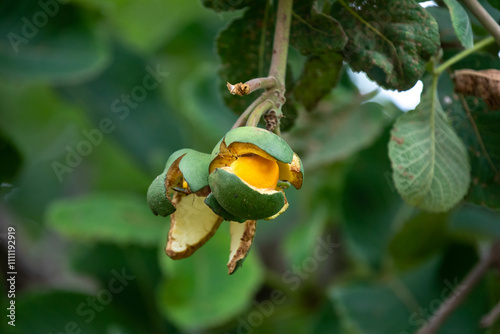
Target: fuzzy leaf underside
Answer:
[[430, 163], [319, 77], [391, 46], [314, 33]]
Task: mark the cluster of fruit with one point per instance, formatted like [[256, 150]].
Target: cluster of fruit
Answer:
[[241, 181]]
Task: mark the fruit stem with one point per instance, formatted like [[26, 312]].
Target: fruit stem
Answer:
[[274, 96], [281, 41], [261, 109], [461, 55], [243, 117], [258, 83], [484, 17]]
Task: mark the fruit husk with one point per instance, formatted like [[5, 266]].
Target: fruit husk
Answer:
[[211, 201], [241, 240], [243, 200], [157, 197], [191, 166], [250, 140], [192, 224], [292, 172], [194, 169], [267, 141]]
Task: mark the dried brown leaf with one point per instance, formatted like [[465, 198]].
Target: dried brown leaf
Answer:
[[238, 89], [484, 84]]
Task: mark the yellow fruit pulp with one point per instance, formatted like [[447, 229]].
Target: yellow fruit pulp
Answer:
[[257, 171]]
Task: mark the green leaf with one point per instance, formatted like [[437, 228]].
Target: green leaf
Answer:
[[283, 313], [429, 161], [226, 5], [479, 222], [300, 243], [198, 293], [70, 312], [146, 25], [479, 128], [40, 126], [205, 117], [447, 33], [118, 218], [131, 103], [314, 33], [389, 40], [421, 237], [55, 45], [102, 261], [371, 207], [461, 23], [495, 3], [319, 77]]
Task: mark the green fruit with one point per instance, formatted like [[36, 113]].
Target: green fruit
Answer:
[[267, 141], [248, 141], [182, 165], [242, 200], [194, 169], [157, 198], [292, 172], [219, 210]]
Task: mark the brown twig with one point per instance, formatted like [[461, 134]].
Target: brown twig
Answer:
[[469, 282], [281, 41], [251, 86], [489, 319], [261, 109]]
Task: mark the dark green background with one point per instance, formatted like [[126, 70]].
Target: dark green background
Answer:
[[388, 267]]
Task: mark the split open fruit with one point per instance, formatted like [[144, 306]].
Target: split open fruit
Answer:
[[180, 192], [245, 171], [242, 181]]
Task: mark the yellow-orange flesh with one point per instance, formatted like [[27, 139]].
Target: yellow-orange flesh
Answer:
[[257, 171]]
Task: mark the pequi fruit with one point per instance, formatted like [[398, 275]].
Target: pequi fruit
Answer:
[[180, 192], [247, 166]]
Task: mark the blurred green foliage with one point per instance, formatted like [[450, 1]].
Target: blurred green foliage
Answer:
[[95, 95]]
